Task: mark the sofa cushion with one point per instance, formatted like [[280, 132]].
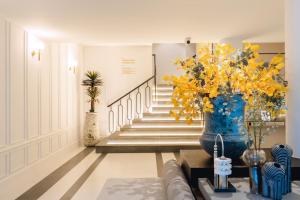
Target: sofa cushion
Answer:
[[175, 182], [133, 189]]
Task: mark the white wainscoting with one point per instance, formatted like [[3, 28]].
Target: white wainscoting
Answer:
[[2, 87], [38, 100]]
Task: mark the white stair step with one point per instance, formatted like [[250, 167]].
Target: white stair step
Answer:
[[160, 128], [160, 115], [161, 132], [161, 98], [163, 94], [164, 108], [128, 145], [157, 134], [153, 142], [164, 86], [160, 92], [171, 124], [141, 134], [163, 89], [157, 121], [167, 102]]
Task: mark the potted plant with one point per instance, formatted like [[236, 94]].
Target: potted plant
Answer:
[[226, 84], [91, 128]]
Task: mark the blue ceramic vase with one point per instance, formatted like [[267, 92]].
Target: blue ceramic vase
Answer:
[[273, 180], [227, 120], [282, 154]]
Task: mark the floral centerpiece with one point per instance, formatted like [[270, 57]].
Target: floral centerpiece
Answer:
[[225, 84]]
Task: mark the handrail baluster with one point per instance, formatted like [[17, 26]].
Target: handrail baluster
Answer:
[[129, 103], [111, 113]]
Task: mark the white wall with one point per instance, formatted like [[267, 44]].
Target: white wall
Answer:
[[292, 31], [166, 54], [38, 100], [109, 61]]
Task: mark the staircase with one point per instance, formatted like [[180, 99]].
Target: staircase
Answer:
[[155, 131]]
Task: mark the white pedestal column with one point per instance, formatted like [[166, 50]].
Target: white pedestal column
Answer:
[[292, 42]]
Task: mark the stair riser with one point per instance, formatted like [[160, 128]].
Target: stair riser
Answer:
[[161, 116], [164, 109], [163, 103], [158, 133], [161, 97], [183, 130], [143, 149], [164, 86], [165, 123], [156, 138], [162, 90]]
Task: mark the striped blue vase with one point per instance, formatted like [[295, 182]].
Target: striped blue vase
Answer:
[[282, 154], [272, 178]]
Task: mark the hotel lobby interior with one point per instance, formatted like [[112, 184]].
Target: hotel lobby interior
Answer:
[[149, 100]]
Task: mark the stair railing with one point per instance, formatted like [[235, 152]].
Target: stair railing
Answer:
[[134, 103]]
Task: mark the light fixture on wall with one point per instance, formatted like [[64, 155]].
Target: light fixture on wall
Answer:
[[37, 48], [73, 64]]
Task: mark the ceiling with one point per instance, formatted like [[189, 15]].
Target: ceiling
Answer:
[[97, 22]]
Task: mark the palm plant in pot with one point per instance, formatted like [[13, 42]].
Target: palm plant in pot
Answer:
[[91, 130]]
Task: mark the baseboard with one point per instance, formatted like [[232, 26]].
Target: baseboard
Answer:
[[16, 184]]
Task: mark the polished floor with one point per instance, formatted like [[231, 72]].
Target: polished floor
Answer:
[[83, 176]]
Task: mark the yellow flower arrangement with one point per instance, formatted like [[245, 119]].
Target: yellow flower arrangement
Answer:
[[228, 71]]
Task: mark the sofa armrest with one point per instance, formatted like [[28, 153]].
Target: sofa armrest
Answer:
[[176, 185]]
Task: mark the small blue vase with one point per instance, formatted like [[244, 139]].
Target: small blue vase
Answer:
[[227, 120], [272, 180], [282, 154]]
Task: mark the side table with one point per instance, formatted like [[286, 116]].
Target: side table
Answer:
[[243, 191], [198, 164]]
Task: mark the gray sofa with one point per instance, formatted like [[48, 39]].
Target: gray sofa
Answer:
[[172, 186]]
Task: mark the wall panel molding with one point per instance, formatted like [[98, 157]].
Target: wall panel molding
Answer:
[[31, 140], [37, 106], [54, 87], [17, 78], [3, 84], [32, 153], [45, 147], [39, 101], [3, 165], [26, 84], [58, 85], [50, 89], [7, 65], [17, 159], [45, 92]]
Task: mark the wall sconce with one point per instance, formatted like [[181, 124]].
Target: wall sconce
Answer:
[[38, 46], [72, 66]]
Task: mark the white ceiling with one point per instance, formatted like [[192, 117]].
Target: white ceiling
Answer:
[[148, 21]]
